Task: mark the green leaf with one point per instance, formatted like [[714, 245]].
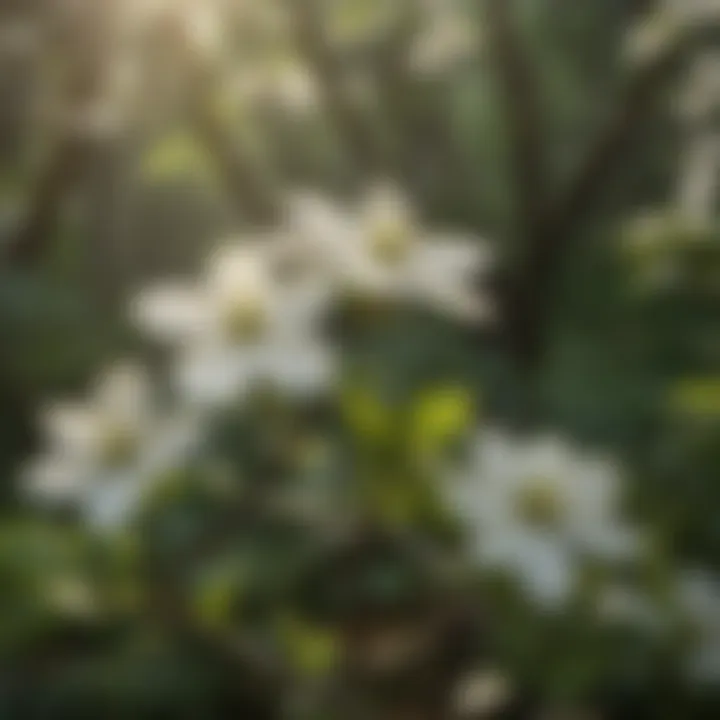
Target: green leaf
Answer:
[[440, 416], [176, 155], [217, 597], [368, 417], [311, 650], [697, 397]]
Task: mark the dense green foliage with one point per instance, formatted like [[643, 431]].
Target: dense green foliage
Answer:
[[303, 560]]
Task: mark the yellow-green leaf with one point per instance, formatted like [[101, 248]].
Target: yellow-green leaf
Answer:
[[391, 498], [312, 650], [698, 397], [176, 155], [368, 417], [441, 416], [216, 598]]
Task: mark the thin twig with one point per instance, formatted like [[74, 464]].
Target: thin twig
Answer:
[[262, 674], [245, 180], [248, 183], [84, 52], [358, 137]]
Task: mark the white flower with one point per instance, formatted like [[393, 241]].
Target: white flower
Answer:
[[103, 453], [699, 11], [654, 34], [538, 508], [200, 22], [481, 693], [242, 325], [698, 180], [651, 36], [699, 598], [622, 605], [700, 96], [447, 37], [381, 250], [278, 82], [700, 164]]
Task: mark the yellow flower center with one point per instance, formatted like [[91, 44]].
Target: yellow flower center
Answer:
[[245, 319], [539, 503], [390, 242], [119, 443]]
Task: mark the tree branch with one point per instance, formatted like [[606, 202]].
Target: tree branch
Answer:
[[396, 87], [357, 136], [84, 51], [34, 231], [248, 184], [519, 90], [608, 150], [531, 294]]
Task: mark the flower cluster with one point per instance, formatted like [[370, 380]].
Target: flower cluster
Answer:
[[254, 320], [380, 249], [267, 338], [103, 453], [534, 508]]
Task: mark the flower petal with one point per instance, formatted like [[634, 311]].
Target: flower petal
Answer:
[[546, 571], [170, 313], [386, 204], [443, 273], [124, 392], [319, 226], [110, 504], [305, 368], [71, 429], [53, 479], [215, 376]]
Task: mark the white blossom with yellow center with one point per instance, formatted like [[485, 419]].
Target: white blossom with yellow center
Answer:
[[102, 453], [380, 250], [245, 324], [538, 508], [448, 36], [699, 599]]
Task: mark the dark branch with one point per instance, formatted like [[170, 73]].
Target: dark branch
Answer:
[[519, 90], [608, 150], [86, 48], [395, 83], [531, 294], [30, 239]]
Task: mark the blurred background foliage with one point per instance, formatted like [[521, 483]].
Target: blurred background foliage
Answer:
[[293, 609]]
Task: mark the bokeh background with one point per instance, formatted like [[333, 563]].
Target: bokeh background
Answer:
[[578, 138]]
